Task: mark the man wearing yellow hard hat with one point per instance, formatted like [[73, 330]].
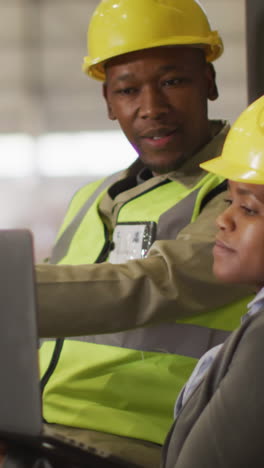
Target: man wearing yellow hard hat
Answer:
[[220, 411], [133, 289], [134, 277]]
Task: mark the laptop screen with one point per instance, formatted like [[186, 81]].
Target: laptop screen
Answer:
[[20, 401]]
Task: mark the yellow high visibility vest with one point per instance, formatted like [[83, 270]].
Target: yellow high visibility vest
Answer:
[[126, 383]]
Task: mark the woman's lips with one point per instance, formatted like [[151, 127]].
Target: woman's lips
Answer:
[[221, 248]]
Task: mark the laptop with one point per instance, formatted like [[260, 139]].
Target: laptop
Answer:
[[20, 397]]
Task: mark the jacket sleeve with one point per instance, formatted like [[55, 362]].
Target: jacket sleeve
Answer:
[[229, 431], [174, 281]]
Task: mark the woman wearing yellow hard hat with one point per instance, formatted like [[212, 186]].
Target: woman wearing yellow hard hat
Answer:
[[242, 159], [220, 411]]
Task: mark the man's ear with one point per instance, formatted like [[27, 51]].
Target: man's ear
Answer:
[[212, 86], [108, 104]]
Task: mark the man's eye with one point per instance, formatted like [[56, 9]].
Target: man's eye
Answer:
[[173, 82], [126, 91]]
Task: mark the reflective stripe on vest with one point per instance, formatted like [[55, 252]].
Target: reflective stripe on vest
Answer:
[[174, 338], [61, 247]]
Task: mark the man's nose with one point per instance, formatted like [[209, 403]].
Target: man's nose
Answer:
[[153, 103]]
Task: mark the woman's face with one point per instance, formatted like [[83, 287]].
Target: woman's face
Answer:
[[239, 248]]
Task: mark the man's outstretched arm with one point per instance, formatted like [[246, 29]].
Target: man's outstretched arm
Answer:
[[175, 281]]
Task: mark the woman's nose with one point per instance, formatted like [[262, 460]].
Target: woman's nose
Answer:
[[225, 220]]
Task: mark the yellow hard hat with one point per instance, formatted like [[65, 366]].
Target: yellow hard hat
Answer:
[[242, 158], [121, 26]]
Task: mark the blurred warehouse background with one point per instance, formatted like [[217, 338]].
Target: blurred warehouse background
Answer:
[[54, 132]]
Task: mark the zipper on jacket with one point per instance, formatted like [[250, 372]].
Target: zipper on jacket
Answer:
[[108, 246], [53, 363]]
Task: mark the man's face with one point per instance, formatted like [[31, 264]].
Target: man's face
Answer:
[[239, 248], [159, 97]]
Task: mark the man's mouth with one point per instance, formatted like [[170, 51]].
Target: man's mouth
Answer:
[[157, 133], [160, 137]]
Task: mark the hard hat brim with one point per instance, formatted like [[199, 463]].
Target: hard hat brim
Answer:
[[235, 172], [213, 47]]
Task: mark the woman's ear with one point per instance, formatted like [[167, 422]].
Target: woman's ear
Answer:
[[212, 87], [111, 115]]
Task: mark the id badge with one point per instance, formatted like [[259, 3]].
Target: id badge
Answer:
[[132, 241]]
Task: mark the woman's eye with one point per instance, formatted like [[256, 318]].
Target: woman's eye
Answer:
[[248, 211], [228, 201]]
